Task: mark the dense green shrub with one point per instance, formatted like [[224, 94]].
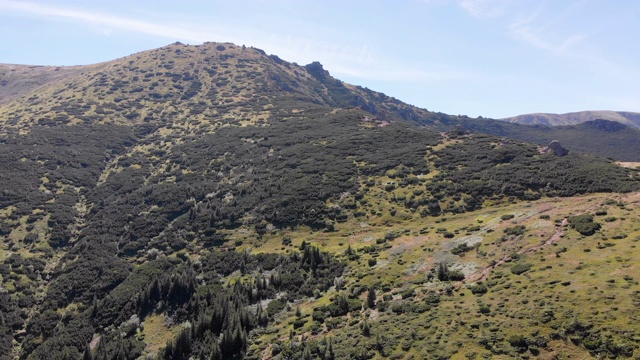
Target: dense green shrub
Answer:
[[484, 309], [275, 306], [520, 268], [584, 224], [515, 231], [460, 249], [518, 341], [479, 289]]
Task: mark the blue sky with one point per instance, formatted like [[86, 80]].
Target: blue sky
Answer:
[[491, 58]]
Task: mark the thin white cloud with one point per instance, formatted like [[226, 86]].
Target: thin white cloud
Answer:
[[353, 60], [485, 8], [407, 75], [306, 50], [288, 47], [110, 21], [525, 29]]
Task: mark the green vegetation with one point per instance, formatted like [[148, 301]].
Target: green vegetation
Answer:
[[584, 224], [520, 268], [216, 202], [444, 273]]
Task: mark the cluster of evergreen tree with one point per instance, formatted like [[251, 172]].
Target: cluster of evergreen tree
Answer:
[[220, 314]]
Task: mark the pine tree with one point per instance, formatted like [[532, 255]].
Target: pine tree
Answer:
[[443, 272], [226, 343], [119, 349], [366, 331], [330, 354], [87, 353], [216, 354], [94, 307], [100, 350], [306, 354], [379, 345], [371, 298], [349, 250]]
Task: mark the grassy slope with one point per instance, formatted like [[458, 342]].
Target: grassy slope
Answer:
[[575, 278], [18, 80]]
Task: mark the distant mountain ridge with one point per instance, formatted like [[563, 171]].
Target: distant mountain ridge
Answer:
[[603, 137], [631, 119]]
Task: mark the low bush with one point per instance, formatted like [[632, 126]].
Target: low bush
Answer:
[[520, 268], [584, 224]]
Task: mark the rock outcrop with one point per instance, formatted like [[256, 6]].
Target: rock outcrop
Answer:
[[557, 148]]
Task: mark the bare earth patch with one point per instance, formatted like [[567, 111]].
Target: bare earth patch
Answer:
[[630, 165]]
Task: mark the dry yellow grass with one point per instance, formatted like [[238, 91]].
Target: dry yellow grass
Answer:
[[156, 333]]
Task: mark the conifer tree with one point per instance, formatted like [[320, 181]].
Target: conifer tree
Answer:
[[216, 354], [330, 354], [87, 353], [371, 298], [366, 331]]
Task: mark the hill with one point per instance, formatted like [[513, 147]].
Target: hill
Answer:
[[214, 84], [207, 82], [630, 119], [216, 202], [606, 138]]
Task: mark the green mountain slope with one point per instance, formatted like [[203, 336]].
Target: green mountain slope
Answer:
[[216, 202]]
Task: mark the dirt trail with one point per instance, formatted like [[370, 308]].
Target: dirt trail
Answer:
[[483, 273]]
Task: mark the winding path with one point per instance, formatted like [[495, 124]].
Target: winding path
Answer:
[[482, 274]]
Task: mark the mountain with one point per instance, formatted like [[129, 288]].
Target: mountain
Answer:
[[630, 119], [207, 81], [215, 84], [606, 138], [216, 202]]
